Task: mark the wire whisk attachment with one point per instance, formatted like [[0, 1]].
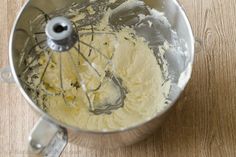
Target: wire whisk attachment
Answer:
[[104, 91]]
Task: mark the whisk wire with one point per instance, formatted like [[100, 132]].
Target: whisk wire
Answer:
[[87, 61], [46, 67], [96, 50], [61, 80], [84, 88]]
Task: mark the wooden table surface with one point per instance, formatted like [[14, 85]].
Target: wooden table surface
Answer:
[[204, 121]]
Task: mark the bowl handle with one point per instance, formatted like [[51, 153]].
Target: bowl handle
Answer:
[[47, 139], [6, 75]]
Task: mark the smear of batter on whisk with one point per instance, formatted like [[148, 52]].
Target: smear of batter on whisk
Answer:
[[132, 61]]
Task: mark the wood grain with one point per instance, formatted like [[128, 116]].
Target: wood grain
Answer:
[[204, 121]]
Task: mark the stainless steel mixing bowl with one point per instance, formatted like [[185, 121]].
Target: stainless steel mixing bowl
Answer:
[[51, 136]]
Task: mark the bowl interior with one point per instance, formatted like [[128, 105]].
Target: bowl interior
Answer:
[[176, 30]]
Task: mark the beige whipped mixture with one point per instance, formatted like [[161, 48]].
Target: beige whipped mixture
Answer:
[[132, 61]]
